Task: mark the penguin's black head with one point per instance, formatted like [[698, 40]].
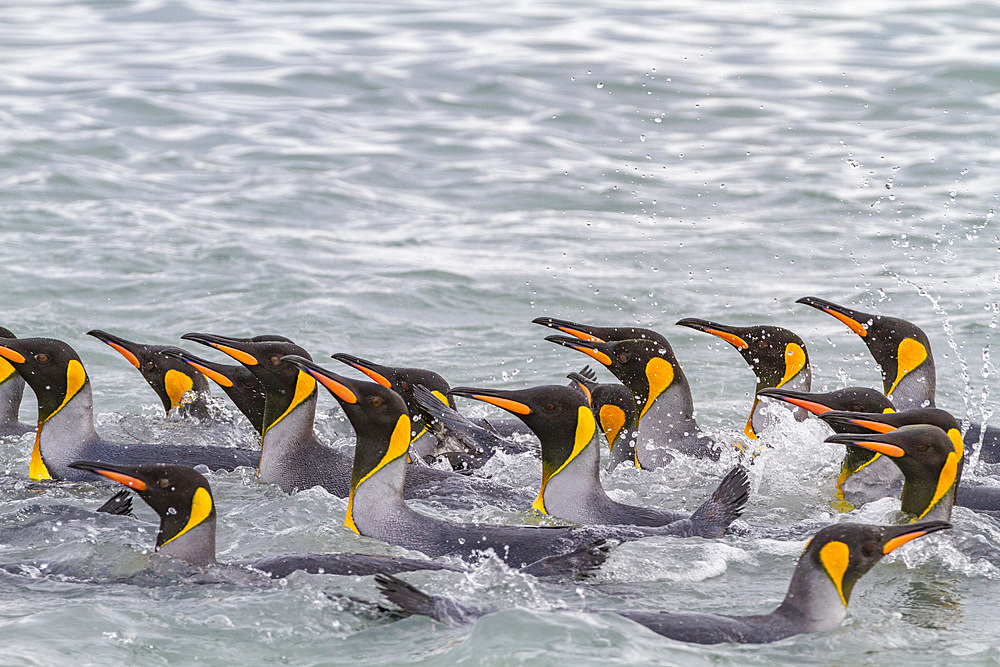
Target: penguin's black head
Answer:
[[242, 386], [925, 454], [898, 346], [377, 413], [180, 495], [851, 399], [877, 422], [169, 376], [51, 368], [775, 354], [846, 551], [594, 334], [402, 380]]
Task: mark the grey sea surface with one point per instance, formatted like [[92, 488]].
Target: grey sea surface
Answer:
[[414, 182]]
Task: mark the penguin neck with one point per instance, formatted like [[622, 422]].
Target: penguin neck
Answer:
[[196, 546], [288, 439], [65, 435], [917, 500], [11, 391], [812, 603], [574, 491], [376, 499], [801, 381], [670, 417], [915, 390]]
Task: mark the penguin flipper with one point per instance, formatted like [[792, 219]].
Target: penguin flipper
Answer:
[[981, 498], [725, 506], [413, 601], [119, 504], [577, 564], [453, 429]]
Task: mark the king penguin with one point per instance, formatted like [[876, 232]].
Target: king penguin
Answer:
[[11, 391], [65, 431], [614, 408]]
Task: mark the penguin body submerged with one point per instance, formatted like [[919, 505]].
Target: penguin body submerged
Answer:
[[66, 432]]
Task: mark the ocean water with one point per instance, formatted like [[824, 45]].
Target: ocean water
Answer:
[[413, 183]]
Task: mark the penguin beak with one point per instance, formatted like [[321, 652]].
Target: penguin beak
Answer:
[[580, 331], [371, 369], [722, 331], [124, 347], [855, 320], [797, 398], [599, 351], [231, 346], [10, 354], [502, 399], [121, 474], [865, 420], [344, 389], [203, 366], [881, 443], [898, 536]]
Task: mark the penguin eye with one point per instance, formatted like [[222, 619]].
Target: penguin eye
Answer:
[[42, 358], [922, 447], [163, 483], [404, 385], [149, 365], [275, 360], [377, 401], [623, 358], [549, 407], [869, 549]]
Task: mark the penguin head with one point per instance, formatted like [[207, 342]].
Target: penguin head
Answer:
[[180, 495], [925, 454], [50, 367], [594, 334], [851, 399], [645, 366], [846, 551], [242, 386], [402, 380], [877, 422], [898, 346], [169, 376], [612, 404], [378, 415], [285, 386], [775, 354]]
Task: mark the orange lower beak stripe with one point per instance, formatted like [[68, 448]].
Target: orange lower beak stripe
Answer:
[[581, 335], [337, 389], [505, 403], [878, 427], [732, 339], [131, 482], [815, 408], [851, 323], [238, 355], [374, 376], [882, 448], [214, 375], [901, 540], [597, 355], [132, 359], [11, 355]]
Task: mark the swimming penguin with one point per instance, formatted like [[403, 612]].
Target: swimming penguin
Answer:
[[178, 385], [571, 488], [240, 385], [930, 465], [777, 356], [65, 431], [425, 444], [614, 407], [376, 507], [11, 390], [832, 563], [903, 353], [661, 393], [976, 497], [294, 458], [182, 498], [865, 476]]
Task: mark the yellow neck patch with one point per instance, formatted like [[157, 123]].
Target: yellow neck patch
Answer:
[[835, 557], [36, 468], [201, 507], [659, 374], [945, 482], [956, 441], [6, 370], [586, 427], [612, 422], [177, 384], [399, 445], [908, 357], [305, 385], [748, 429], [795, 361]]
